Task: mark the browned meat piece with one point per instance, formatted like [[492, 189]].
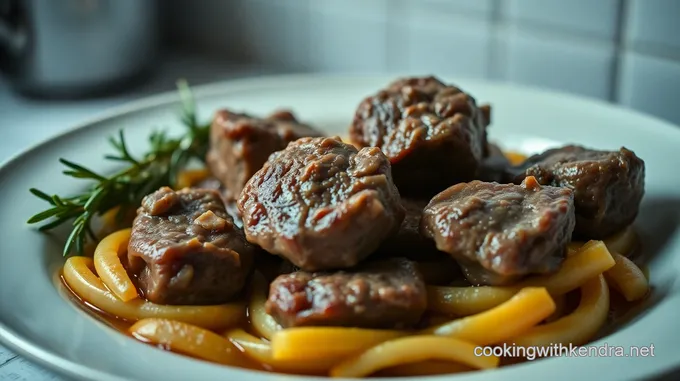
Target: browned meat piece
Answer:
[[495, 165], [608, 185], [408, 242], [186, 250], [388, 294], [434, 134], [229, 204], [500, 232], [321, 204], [240, 144]]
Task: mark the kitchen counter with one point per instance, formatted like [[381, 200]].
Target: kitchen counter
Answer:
[[26, 122]]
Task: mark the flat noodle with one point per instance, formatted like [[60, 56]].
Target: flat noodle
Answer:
[[523, 311], [261, 351], [413, 349], [560, 308], [84, 283], [110, 269], [623, 242], [189, 177], [628, 279], [576, 328], [464, 301], [263, 324], [327, 343], [591, 260], [188, 339]]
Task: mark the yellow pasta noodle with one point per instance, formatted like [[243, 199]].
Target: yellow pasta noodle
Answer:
[[313, 343], [110, 269], [464, 301], [628, 279], [576, 328], [187, 339], [560, 306], [527, 308], [261, 321], [591, 260], [84, 283], [261, 352], [190, 177], [412, 349], [623, 242]]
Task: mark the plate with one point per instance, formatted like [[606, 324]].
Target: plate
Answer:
[[38, 322]]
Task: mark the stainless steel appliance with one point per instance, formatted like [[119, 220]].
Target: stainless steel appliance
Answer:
[[73, 48]]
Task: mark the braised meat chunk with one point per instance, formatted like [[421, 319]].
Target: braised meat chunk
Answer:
[[408, 242], [608, 185], [389, 294], [186, 250], [495, 165], [434, 134], [321, 204], [240, 144], [501, 232]]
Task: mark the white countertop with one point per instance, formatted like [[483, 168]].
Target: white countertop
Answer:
[[25, 122]]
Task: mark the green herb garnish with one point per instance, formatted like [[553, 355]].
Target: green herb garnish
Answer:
[[126, 188]]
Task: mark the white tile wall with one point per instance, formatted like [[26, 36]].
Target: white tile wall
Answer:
[[470, 7], [651, 85], [424, 40], [542, 60], [275, 33], [348, 36], [579, 46], [654, 21], [597, 18]]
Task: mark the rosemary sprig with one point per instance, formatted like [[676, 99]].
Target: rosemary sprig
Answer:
[[126, 188]]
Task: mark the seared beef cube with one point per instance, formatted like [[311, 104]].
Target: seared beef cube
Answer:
[[240, 144], [388, 294], [408, 242], [495, 165], [229, 204], [186, 250], [321, 204], [608, 185], [434, 134], [500, 232]]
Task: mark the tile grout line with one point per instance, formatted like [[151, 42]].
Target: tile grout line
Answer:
[[619, 50], [494, 45], [9, 361]]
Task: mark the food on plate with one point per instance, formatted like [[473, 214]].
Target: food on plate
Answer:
[[433, 134], [608, 185], [408, 242], [386, 294], [397, 258], [322, 204], [240, 145], [185, 249], [502, 232]]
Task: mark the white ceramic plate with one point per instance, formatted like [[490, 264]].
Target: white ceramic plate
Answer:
[[38, 322]]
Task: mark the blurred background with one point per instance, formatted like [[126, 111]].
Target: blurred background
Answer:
[[623, 51]]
